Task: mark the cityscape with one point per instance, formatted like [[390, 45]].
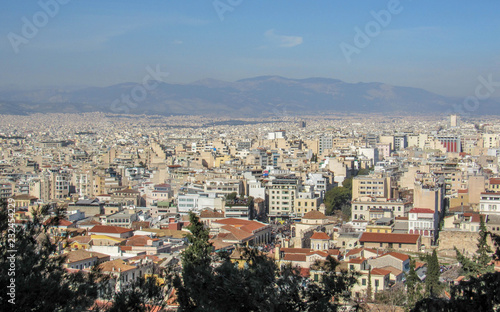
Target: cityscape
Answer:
[[218, 157]]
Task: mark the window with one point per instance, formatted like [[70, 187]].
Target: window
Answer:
[[351, 267], [363, 282], [376, 283], [381, 244]]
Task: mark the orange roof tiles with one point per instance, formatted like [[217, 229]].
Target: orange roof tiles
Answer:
[[61, 222], [294, 257], [389, 238], [320, 235], [314, 214], [421, 210], [397, 255], [380, 272]]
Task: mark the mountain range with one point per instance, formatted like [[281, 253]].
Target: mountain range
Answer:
[[260, 96]]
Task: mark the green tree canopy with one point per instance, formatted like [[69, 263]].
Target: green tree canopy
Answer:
[[31, 263], [214, 283]]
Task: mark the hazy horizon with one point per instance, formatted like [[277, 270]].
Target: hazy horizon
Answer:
[[440, 47]]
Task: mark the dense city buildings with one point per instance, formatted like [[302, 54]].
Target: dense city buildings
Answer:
[[127, 185]]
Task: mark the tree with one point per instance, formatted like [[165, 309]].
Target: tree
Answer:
[[143, 295], [480, 293], [214, 283], [231, 196], [483, 252], [369, 292], [413, 285], [338, 197], [479, 264], [31, 266], [432, 284]]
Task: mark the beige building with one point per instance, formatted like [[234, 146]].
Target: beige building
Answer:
[[372, 185]]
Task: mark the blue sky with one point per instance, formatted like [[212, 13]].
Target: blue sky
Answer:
[[441, 46]]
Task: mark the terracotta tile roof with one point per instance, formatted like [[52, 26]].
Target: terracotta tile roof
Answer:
[[110, 229], [245, 225], [294, 257], [296, 250], [61, 222], [218, 243], [334, 252], [396, 255], [78, 255], [140, 257], [304, 272], [389, 238], [393, 270], [320, 235], [474, 217], [494, 181], [116, 265], [357, 260], [209, 213], [419, 264], [314, 214], [421, 210], [239, 234], [353, 252], [139, 240], [80, 239], [380, 272], [319, 253]]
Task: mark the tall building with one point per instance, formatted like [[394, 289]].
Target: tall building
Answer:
[[452, 144], [454, 120], [281, 195], [325, 143]]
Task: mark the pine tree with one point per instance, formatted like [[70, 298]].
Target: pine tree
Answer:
[[483, 253], [369, 294], [41, 282], [411, 284], [432, 284], [209, 283], [479, 264]]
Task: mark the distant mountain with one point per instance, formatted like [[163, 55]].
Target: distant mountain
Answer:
[[258, 96]]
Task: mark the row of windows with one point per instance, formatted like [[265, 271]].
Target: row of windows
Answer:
[[119, 220], [374, 207]]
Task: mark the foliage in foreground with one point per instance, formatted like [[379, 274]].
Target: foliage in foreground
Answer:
[[216, 284]]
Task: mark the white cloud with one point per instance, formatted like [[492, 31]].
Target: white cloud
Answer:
[[283, 41]]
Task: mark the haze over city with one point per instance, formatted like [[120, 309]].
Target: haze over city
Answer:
[[237, 155], [441, 47]]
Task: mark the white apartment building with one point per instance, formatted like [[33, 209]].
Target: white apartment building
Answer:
[[360, 207], [281, 196], [489, 204]]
